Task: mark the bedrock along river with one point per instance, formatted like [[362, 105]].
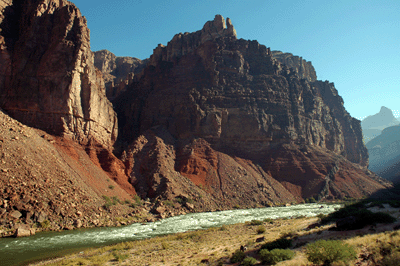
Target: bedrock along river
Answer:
[[21, 251]]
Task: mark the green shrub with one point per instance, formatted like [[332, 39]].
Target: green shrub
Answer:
[[238, 256], [111, 187], [115, 200], [138, 201], [310, 200], [328, 251], [269, 220], [249, 261], [110, 202], [169, 203], [261, 229], [276, 255], [255, 222], [45, 224], [281, 243], [120, 257]]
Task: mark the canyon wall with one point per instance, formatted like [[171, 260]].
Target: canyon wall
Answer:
[[239, 99], [48, 79]]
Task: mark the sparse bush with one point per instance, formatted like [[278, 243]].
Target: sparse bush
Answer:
[[110, 202], [255, 222], [137, 201], [328, 251], [120, 257], [261, 229], [179, 200], [238, 256], [276, 255], [45, 224], [236, 206], [249, 261], [169, 203], [310, 200], [281, 243], [269, 220], [111, 187], [115, 200]]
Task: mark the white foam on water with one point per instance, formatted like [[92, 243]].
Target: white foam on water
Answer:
[[47, 242]]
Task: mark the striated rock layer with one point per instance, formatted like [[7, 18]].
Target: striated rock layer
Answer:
[[304, 69], [257, 120], [47, 74], [118, 71]]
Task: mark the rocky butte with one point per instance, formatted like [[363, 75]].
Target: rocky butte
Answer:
[[210, 122], [245, 125]]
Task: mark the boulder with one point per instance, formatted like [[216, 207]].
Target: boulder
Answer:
[[15, 214], [23, 230]]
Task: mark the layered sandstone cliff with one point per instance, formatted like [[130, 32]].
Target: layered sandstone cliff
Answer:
[[48, 79], [304, 69], [243, 103], [118, 72]]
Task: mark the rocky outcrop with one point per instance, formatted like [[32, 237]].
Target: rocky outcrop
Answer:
[[384, 152], [233, 96], [304, 69], [373, 125], [45, 47], [118, 71], [162, 167]]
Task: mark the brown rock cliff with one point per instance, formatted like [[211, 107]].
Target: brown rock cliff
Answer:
[[45, 47], [303, 68], [246, 104], [118, 71]]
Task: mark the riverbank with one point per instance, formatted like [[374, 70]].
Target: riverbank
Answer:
[[215, 246], [16, 251]]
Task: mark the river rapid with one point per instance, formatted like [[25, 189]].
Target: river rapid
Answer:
[[21, 251]]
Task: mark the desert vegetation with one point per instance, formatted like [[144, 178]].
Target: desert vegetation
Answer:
[[285, 242]]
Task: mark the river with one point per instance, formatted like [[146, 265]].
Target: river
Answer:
[[21, 251]]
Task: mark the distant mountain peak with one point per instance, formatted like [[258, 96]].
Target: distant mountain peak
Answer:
[[373, 125], [386, 111]]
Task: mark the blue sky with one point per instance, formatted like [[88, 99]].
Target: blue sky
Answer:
[[353, 43]]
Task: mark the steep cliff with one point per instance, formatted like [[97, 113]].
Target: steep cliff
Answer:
[[304, 69], [233, 96], [48, 79], [118, 72]]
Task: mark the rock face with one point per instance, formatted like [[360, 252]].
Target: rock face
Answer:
[[45, 47], [304, 69], [247, 107], [118, 72], [384, 151], [373, 125]]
